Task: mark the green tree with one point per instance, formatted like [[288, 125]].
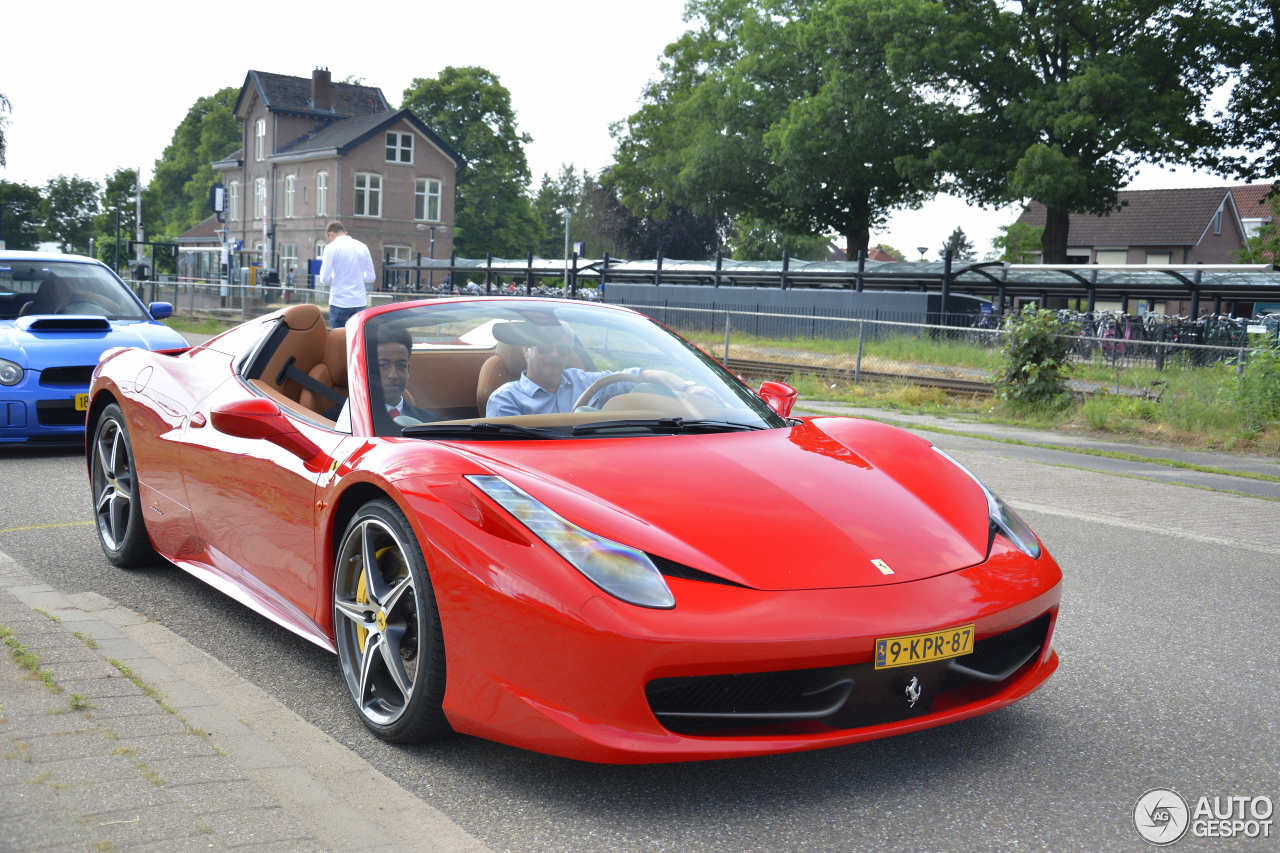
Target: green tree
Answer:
[[471, 110], [178, 195], [1251, 46], [1060, 101], [1017, 241], [67, 208], [1035, 353], [117, 194], [783, 112], [19, 215], [1264, 247], [5, 107], [958, 245], [890, 251], [756, 240], [555, 195]]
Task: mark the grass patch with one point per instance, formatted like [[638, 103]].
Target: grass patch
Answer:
[[205, 326], [46, 614], [79, 703], [27, 660], [147, 689], [86, 639]]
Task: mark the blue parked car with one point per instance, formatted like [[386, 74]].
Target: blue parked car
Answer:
[[58, 314]]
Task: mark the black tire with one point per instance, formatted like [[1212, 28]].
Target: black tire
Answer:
[[392, 617], [113, 483]]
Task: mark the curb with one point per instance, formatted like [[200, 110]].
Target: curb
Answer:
[[247, 770]]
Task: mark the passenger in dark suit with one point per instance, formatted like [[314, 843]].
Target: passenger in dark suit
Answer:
[[393, 376]]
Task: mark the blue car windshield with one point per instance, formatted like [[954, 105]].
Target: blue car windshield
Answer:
[[64, 287]]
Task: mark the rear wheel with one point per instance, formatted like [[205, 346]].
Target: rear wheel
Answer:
[[387, 628], [114, 482]]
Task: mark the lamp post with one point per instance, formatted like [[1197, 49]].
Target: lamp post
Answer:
[[117, 210], [567, 216]]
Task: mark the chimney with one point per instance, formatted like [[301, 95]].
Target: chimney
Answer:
[[321, 90]]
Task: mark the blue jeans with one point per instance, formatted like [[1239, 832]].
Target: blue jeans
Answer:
[[338, 316]]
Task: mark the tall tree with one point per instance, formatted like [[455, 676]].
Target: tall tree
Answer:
[[117, 195], [19, 215], [1061, 100], [471, 110], [554, 196], [5, 107], [67, 208], [1016, 242], [780, 111], [1251, 46], [959, 245], [178, 195], [752, 239]]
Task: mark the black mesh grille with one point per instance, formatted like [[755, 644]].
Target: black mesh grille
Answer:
[[839, 697], [59, 413], [67, 377]]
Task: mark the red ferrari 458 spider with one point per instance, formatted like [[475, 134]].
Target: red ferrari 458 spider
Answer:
[[560, 526]]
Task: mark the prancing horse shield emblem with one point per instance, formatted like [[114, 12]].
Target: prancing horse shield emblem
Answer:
[[913, 691]]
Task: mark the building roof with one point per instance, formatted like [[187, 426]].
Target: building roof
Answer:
[[205, 231], [1251, 200], [1175, 217], [348, 133], [283, 93]]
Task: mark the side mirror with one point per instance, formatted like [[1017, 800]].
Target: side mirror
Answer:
[[260, 418], [779, 396], [160, 310]]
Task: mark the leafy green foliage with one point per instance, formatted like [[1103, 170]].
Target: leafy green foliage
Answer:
[[1264, 248], [1060, 102], [117, 194], [1017, 242], [890, 251], [178, 195], [756, 240], [959, 245], [19, 215], [471, 110], [780, 112], [1258, 392], [1035, 354], [67, 208], [5, 107], [1250, 44]]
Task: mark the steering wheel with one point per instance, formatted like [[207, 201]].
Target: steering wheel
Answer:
[[622, 376]]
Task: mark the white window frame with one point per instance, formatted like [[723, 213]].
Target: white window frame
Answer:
[[396, 252], [288, 260], [290, 191], [1217, 222], [260, 140], [399, 147], [233, 201], [368, 195], [423, 197], [322, 193], [320, 244], [260, 198]]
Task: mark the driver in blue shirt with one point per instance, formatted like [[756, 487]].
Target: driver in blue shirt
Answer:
[[548, 385]]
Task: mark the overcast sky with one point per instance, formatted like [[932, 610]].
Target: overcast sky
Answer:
[[100, 86]]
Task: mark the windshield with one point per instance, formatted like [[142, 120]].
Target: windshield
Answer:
[[542, 368], [64, 287]]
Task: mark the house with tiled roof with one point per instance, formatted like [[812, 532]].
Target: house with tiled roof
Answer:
[[1203, 225], [314, 151]]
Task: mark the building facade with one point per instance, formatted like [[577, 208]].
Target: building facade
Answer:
[[314, 151]]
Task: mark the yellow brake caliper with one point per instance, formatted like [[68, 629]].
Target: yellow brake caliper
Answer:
[[362, 597]]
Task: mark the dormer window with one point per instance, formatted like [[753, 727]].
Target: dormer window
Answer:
[[399, 147], [260, 140]]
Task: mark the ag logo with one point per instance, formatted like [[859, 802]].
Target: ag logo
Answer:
[[1161, 816]]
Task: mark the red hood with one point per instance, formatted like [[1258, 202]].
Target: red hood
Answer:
[[805, 507]]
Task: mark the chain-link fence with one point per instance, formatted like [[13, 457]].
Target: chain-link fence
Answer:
[[833, 349]]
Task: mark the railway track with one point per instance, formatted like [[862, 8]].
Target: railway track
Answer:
[[748, 368]]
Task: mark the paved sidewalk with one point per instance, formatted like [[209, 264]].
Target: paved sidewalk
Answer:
[[116, 734]]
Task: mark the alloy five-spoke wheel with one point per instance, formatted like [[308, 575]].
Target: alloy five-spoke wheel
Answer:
[[114, 483], [387, 628]]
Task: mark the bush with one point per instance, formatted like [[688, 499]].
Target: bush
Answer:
[[1258, 390], [1035, 366]]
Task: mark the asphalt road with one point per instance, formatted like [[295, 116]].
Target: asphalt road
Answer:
[[1169, 637]]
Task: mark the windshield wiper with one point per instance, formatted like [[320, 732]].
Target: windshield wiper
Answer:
[[482, 430], [662, 425]]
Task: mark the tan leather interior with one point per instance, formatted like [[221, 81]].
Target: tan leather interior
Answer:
[[305, 343], [331, 371], [444, 380], [503, 367]]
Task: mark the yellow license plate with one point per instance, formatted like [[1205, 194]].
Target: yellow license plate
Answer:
[[82, 402], [922, 648]]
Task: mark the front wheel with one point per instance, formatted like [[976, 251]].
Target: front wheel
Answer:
[[114, 483], [387, 628]]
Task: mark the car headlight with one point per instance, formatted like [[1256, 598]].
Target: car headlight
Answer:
[[1004, 518], [620, 570], [10, 373]]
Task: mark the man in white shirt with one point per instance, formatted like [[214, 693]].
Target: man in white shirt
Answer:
[[347, 267]]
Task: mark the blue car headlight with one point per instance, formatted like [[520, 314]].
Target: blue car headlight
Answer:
[[10, 372], [1005, 519], [620, 570]]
